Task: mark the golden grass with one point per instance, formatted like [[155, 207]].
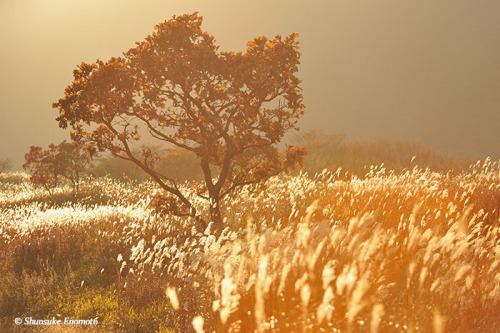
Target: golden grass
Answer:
[[415, 251]]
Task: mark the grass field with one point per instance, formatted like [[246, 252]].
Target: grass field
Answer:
[[416, 251]]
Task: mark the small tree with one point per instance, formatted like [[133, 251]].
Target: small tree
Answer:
[[73, 159], [41, 164], [67, 160], [5, 165], [229, 109]]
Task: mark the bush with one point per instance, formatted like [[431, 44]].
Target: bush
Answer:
[[180, 164], [5, 165], [177, 164], [14, 178], [117, 168], [356, 156]]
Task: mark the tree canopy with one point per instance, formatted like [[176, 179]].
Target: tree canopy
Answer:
[[67, 160], [230, 109]]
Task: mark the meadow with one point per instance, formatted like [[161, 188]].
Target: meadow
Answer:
[[407, 251]]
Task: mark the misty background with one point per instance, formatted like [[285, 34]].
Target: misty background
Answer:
[[427, 71]]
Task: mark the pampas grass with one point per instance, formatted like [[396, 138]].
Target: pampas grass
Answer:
[[415, 250]]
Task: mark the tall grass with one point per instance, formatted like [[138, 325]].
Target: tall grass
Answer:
[[411, 251]]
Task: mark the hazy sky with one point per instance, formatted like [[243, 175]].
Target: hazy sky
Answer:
[[426, 70]]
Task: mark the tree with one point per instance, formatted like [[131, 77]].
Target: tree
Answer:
[[41, 165], [5, 164], [230, 109], [72, 159], [67, 160]]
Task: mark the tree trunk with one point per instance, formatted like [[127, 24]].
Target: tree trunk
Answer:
[[201, 223], [216, 216], [77, 182]]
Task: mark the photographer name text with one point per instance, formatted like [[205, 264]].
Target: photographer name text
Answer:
[[30, 321]]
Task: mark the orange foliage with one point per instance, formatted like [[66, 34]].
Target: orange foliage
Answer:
[[230, 109]]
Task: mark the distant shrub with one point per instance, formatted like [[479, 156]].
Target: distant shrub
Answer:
[[14, 177], [177, 164], [180, 164], [5, 164], [326, 151], [117, 168]]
